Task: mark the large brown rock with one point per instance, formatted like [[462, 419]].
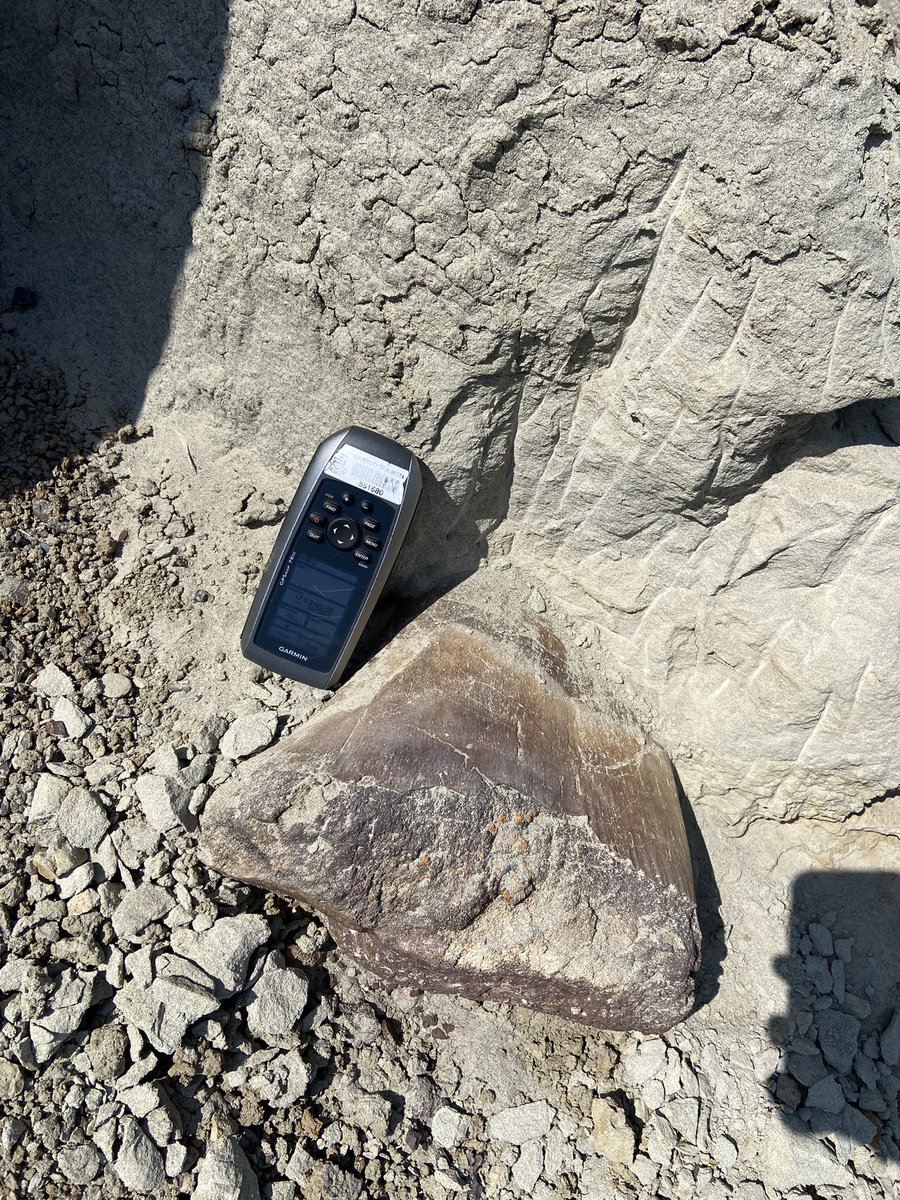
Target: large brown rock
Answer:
[[472, 817]]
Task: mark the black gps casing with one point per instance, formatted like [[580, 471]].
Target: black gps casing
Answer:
[[316, 593]]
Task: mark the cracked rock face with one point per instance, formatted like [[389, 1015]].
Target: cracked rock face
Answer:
[[621, 274], [472, 817]]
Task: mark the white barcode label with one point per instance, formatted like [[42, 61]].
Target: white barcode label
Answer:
[[368, 472]]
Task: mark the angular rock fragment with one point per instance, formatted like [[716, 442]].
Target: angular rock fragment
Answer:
[[164, 800], [223, 951], [278, 999], [225, 1173], [473, 815], [138, 1164], [53, 682], [164, 1008]]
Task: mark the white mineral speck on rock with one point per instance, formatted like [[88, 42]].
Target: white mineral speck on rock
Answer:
[[247, 735], [76, 722], [521, 1124], [449, 1126], [53, 682]]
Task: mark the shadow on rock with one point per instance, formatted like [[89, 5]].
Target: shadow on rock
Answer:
[[108, 112], [713, 948], [444, 547], [839, 1076]]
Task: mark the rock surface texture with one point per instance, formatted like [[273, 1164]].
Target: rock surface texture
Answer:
[[621, 273], [471, 817]]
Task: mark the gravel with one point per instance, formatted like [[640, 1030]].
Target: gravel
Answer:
[[164, 1030]]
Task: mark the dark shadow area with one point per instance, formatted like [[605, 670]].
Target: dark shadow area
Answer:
[[709, 902], [443, 547], [107, 112], [839, 1076]]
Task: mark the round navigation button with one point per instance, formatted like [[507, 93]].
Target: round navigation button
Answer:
[[343, 533]]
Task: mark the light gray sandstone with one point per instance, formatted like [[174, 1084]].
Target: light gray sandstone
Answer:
[[74, 720], [838, 1035], [449, 1126], [82, 819], [138, 1162], [249, 734], [53, 682], [223, 951], [278, 998], [521, 1124], [164, 800], [164, 1008], [474, 815], [139, 908], [225, 1173], [48, 795]]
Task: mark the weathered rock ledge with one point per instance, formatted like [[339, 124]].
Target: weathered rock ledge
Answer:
[[473, 817]]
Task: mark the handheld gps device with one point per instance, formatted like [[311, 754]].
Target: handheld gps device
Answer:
[[332, 556]]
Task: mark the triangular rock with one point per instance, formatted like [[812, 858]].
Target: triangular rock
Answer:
[[473, 817]]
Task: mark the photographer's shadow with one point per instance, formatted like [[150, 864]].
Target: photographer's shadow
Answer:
[[839, 1075]]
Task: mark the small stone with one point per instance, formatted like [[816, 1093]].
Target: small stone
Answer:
[[611, 1134], [115, 686], [247, 735], [856, 1006], [75, 722], [225, 1173], [165, 801], [164, 761], [529, 1166], [176, 1157], [647, 1061], [80, 1164], [278, 998], [826, 1095], [821, 938], [787, 1091], [843, 948], [890, 1041], [279, 1079], [521, 1124], [299, 1165], [140, 908], [165, 1008], [53, 682], [806, 1068], [838, 1035], [223, 951], [449, 1127], [82, 819], [139, 1163], [107, 1052], [49, 793], [12, 1079]]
